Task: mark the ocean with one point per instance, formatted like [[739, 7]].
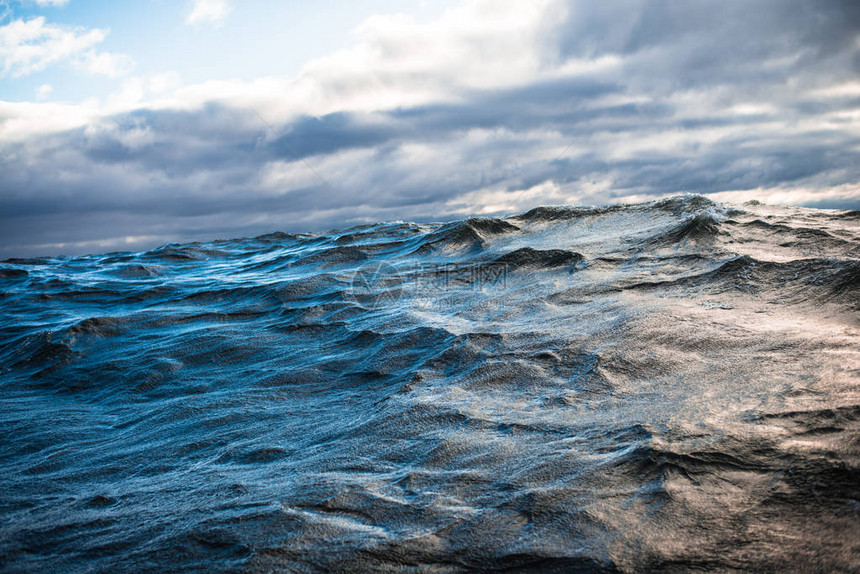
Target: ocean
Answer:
[[670, 385]]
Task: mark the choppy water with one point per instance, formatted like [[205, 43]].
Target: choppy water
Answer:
[[667, 385]]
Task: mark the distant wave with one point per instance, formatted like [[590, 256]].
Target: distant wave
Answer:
[[667, 386]]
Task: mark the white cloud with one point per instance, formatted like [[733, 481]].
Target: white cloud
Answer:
[[43, 92], [164, 83], [29, 46], [129, 96], [133, 137], [213, 11], [105, 64], [24, 121], [397, 61]]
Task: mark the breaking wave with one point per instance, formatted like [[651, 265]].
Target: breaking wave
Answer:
[[670, 385]]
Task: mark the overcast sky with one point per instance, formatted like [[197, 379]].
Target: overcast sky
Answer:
[[125, 125]]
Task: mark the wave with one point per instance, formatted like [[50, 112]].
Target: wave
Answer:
[[669, 385], [471, 235], [548, 258], [698, 228]]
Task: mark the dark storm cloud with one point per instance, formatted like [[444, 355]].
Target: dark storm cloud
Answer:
[[331, 133], [707, 41], [665, 114]]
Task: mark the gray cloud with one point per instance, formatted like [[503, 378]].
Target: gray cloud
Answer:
[[696, 96]]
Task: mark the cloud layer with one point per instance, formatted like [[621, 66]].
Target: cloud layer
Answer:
[[208, 11], [495, 107], [28, 46]]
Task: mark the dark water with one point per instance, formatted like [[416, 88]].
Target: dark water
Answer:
[[670, 385]]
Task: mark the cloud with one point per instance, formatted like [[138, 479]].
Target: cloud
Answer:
[[493, 108], [29, 46], [43, 92], [213, 11]]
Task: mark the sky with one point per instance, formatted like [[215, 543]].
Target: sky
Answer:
[[126, 125]]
